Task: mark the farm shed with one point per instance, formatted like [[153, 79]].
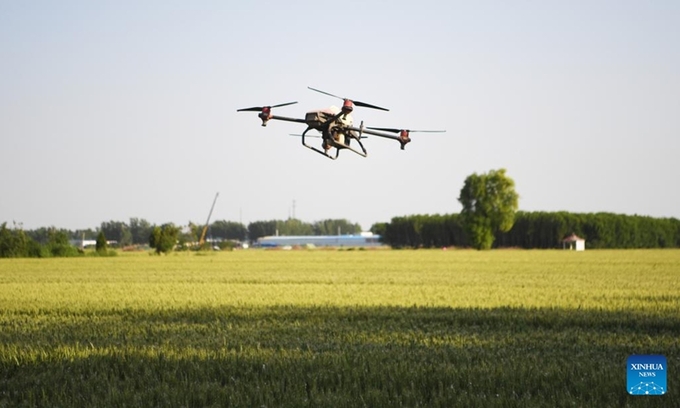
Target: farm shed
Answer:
[[575, 242]]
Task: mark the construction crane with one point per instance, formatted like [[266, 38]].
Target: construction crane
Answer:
[[207, 222]]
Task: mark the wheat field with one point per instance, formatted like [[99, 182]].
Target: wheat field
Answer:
[[503, 328]]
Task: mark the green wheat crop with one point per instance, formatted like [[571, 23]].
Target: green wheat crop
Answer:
[[499, 328]]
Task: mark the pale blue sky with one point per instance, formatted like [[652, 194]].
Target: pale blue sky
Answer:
[[119, 109]]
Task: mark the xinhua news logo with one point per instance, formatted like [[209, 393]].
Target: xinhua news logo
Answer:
[[647, 374]]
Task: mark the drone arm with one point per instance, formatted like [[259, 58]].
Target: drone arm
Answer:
[[266, 117], [366, 131], [286, 119], [402, 138]]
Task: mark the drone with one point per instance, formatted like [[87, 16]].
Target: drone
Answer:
[[335, 126]]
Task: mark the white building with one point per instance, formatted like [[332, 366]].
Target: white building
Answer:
[[574, 242]]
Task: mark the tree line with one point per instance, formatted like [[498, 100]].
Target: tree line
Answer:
[[541, 230], [50, 241], [17, 243], [536, 230], [489, 219]]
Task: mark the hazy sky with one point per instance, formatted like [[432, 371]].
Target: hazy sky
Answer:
[[119, 109]]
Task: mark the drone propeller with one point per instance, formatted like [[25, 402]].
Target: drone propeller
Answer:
[[265, 111], [262, 108], [347, 106]]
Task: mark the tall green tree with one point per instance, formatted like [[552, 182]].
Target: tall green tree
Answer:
[[101, 246], [293, 226], [489, 205], [229, 230], [259, 229], [58, 243], [117, 231], [14, 243], [164, 238], [335, 226], [140, 229], [379, 228]]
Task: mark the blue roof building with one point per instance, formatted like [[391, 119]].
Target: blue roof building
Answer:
[[363, 240]]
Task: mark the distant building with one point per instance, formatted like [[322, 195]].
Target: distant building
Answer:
[[574, 242], [363, 240], [89, 243]]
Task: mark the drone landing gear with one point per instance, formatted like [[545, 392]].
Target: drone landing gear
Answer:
[[338, 146], [321, 152], [362, 153]]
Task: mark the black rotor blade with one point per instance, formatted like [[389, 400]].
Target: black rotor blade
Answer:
[[259, 108], [384, 129], [325, 93], [357, 103], [366, 105], [283, 104]]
